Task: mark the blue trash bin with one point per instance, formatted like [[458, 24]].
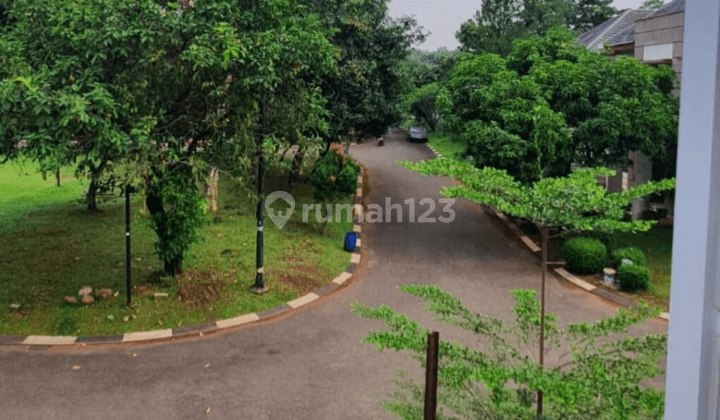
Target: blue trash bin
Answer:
[[350, 241]]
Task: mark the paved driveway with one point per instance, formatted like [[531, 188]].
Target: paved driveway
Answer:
[[310, 364]]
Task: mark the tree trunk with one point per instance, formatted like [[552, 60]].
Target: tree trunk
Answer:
[[95, 174], [544, 234], [57, 176], [173, 267], [295, 171], [154, 203], [91, 196], [144, 208], [212, 190]]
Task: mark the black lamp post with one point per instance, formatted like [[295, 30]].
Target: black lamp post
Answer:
[[129, 189], [259, 286]]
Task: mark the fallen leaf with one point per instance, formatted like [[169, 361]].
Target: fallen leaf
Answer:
[[111, 317], [126, 319], [76, 367], [160, 323], [207, 365], [116, 294]]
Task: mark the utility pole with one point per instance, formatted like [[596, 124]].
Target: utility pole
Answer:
[[259, 286]]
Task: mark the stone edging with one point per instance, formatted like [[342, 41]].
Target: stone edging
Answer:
[[208, 327], [437, 154], [561, 272]]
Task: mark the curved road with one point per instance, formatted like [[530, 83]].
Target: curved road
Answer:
[[310, 364]]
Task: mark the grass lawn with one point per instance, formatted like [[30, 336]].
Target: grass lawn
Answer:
[[51, 247], [446, 144], [657, 246], [23, 190]]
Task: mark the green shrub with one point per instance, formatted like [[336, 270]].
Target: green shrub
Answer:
[[629, 253], [335, 176], [632, 277], [584, 255], [607, 238]]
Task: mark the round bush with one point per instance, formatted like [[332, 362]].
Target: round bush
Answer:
[[629, 253], [632, 277], [584, 255]]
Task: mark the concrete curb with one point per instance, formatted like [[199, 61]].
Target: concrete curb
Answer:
[[43, 342], [437, 154], [564, 274]]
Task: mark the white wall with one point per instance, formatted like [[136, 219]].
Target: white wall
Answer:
[[694, 348]]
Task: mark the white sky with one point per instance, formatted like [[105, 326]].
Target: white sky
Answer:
[[444, 17]]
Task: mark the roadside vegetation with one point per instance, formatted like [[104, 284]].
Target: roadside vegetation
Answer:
[[55, 248], [188, 102]]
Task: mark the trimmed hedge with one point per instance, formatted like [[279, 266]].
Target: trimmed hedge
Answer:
[[628, 253], [633, 277], [585, 255]]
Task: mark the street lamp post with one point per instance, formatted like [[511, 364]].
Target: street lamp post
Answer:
[[259, 286], [129, 189]]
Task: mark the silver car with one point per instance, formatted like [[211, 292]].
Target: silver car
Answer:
[[417, 134]]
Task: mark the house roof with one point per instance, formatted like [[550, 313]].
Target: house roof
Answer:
[[621, 26], [626, 36], [675, 6]]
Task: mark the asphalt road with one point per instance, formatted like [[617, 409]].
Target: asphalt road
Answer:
[[309, 364]]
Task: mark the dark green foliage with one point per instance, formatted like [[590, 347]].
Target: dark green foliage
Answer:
[[633, 277], [550, 103], [421, 104], [334, 177], [109, 84], [177, 206], [609, 239], [628, 253], [584, 255], [500, 23]]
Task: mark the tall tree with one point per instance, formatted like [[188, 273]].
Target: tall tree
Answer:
[[366, 94], [166, 91], [494, 27], [588, 14], [551, 103], [499, 23]]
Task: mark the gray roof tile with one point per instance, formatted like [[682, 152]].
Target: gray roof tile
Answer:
[[616, 27], [675, 6]]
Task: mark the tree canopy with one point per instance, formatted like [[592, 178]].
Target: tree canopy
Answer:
[[550, 103], [499, 22], [168, 92]]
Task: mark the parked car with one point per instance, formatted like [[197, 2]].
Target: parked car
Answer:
[[417, 134]]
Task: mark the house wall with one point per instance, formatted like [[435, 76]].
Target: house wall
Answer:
[[661, 38], [655, 39]]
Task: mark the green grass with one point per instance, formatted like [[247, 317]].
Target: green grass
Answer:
[[657, 246], [56, 247], [22, 190], [446, 144]]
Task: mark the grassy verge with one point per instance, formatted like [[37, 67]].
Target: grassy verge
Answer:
[[56, 247], [655, 243], [657, 246], [446, 144]]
